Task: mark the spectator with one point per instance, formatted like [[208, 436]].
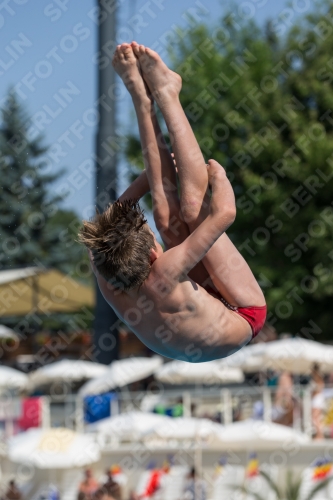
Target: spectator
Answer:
[[53, 493], [133, 496], [111, 488], [88, 486], [100, 495], [272, 378], [258, 410], [318, 401], [237, 413], [195, 488], [283, 410], [178, 409], [12, 493]]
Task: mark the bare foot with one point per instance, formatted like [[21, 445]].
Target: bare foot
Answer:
[[126, 65], [162, 82]]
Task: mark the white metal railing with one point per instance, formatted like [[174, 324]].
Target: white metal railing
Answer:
[[215, 402]]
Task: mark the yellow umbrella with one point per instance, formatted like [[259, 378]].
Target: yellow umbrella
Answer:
[[35, 290]]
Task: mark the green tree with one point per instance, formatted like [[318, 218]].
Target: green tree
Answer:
[[259, 102], [292, 489], [33, 229], [70, 256]]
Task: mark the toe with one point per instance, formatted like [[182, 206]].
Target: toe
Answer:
[[136, 48], [152, 53], [136, 51], [121, 54], [142, 50], [118, 53], [127, 50]]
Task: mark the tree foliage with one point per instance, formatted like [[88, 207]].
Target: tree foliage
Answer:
[[260, 102], [34, 230], [292, 489]]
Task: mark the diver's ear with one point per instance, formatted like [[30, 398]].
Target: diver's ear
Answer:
[[153, 255]]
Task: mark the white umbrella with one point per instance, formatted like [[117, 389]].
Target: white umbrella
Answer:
[[12, 379], [129, 426], [249, 433], [255, 432], [297, 355], [121, 373], [67, 370], [7, 333], [183, 428], [249, 359], [53, 448], [213, 372]]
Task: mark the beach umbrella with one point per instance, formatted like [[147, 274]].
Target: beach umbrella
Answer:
[[297, 355], [248, 433], [121, 373], [57, 448], [66, 370], [249, 359], [129, 426], [43, 291], [213, 372], [252, 433], [185, 428], [7, 333], [12, 379]]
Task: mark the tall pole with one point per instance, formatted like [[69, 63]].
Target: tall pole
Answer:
[[106, 321]]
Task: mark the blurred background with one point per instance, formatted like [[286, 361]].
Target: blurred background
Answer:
[[86, 410]]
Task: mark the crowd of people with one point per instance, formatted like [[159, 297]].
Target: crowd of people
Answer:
[[110, 489], [91, 489], [107, 489], [286, 404]]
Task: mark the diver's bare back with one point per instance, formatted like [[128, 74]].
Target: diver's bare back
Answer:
[[177, 320]]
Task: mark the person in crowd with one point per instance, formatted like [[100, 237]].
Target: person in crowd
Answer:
[[237, 413], [258, 410], [195, 488], [12, 493], [272, 378], [111, 487], [133, 496], [318, 401], [88, 486], [178, 408], [283, 410], [53, 492], [101, 494]]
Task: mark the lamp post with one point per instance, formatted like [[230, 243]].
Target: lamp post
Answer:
[[106, 321]]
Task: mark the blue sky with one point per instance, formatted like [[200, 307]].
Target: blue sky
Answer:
[[47, 53]]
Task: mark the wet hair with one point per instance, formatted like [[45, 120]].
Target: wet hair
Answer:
[[120, 242]]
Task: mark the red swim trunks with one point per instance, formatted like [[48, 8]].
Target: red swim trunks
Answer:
[[255, 316]]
